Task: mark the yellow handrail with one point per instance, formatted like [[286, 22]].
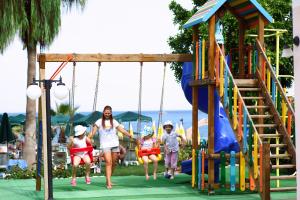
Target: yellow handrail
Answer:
[[277, 82]]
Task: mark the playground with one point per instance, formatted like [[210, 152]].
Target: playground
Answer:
[[250, 150]]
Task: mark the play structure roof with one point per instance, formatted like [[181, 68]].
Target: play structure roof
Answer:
[[246, 10]]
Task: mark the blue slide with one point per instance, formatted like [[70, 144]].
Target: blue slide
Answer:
[[224, 136]]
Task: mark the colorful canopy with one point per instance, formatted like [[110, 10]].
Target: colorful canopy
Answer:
[[89, 119], [131, 117], [246, 10]]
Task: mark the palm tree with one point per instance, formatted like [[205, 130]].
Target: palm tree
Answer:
[[65, 109], [36, 23]]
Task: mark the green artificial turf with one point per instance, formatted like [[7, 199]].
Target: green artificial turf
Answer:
[[125, 187]]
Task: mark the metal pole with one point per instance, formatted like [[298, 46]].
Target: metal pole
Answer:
[[49, 147]]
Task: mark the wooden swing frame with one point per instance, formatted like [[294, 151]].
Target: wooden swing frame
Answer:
[[44, 58]]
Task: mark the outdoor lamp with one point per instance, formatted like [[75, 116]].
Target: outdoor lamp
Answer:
[[61, 91], [34, 91], [286, 52]]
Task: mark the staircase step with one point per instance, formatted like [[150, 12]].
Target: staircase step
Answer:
[[270, 136], [282, 189], [253, 98], [260, 116], [286, 177], [249, 107], [246, 82], [280, 156], [265, 125], [249, 89], [277, 145], [283, 166]]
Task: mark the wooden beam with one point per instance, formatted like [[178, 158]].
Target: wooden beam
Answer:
[[241, 49], [117, 57], [261, 33], [42, 113], [194, 112], [203, 82], [211, 98], [40, 117], [265, 195], [195, 100]]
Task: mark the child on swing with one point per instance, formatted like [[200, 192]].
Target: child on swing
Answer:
[[171, 148], [148, 142], [80, 140]]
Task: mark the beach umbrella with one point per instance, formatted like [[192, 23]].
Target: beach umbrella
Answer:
[[78, 116], [181, 130], [131, 130], [131, 117], [160, 131], [90, 119], [6, 134], [154, 129], [176, 128]]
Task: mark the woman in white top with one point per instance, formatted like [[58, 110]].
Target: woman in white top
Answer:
[[109, 141]]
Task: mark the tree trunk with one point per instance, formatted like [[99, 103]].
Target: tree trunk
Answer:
[[30, 127]]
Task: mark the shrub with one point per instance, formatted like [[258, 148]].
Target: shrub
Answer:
[[185, 153], [17, 173]]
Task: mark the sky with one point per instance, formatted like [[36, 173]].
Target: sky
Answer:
[[115, 26]]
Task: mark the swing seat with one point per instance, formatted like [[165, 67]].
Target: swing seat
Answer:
[[146, 152], [89, 150]]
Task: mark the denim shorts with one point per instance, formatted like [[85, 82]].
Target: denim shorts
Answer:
[[111, 149]]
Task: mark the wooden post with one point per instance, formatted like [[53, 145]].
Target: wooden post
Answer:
[[41, 76], [211, 100], [241, 49], [265, 195], [195, 107], [195, 102], [44, 124], [260, 64]]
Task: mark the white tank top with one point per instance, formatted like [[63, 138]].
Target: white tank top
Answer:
[[80, 143]]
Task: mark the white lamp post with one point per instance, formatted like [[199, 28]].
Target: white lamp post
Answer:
[[60, 92]]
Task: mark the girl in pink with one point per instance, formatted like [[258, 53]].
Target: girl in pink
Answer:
[[171, 148], [80, 141], [148, 142]]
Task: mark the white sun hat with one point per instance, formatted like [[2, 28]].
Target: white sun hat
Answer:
[[168, 123], [147, 131], [79, 130]]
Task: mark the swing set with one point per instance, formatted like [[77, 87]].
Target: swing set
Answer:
[[99, 58]]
